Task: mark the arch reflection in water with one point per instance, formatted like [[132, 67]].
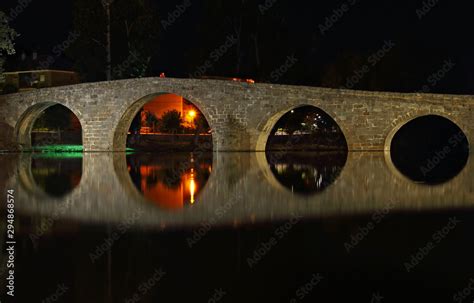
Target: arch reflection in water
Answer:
[[57, 174], [430, 149], [172, 181], [306, 172]]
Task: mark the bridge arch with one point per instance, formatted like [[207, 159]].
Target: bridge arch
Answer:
[[272, 119], [404, 120], [25, 124], [427, 148], [128, 114]]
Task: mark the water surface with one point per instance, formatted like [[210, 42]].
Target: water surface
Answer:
[[256, 226]]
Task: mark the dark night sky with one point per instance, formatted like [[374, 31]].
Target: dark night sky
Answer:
[[444, 33], [42, 23]]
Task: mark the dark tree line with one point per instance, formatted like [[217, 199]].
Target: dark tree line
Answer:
[[134, 29], [272, 41]]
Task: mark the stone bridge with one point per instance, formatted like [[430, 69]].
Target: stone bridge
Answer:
[[240, 114]]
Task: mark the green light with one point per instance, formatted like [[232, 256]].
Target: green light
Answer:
[[58, 151], [66, 151], [129, 151], [59, 148]]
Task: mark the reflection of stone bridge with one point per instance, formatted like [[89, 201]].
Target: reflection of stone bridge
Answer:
[[240, 114], [241, 186]]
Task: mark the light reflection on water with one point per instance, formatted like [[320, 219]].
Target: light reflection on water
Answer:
[[56, 176], [188, 189], [173, 181], [170, 181], [92, 201], [306, 172]]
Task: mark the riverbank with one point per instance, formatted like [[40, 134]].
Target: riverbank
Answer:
[[169, 143]]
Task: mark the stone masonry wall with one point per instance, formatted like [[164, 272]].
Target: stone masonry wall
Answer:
[[240, 114]]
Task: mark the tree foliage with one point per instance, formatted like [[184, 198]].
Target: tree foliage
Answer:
[[7, 35], [259, 39], [201, 123], [151, 120], [54, 117], [134, 28], [171, 122]]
